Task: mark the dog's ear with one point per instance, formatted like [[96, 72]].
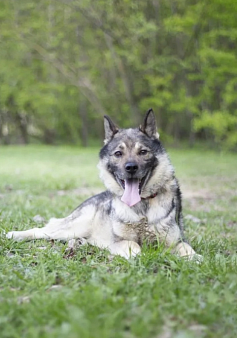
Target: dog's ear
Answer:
[[110, 128], [149, 125]]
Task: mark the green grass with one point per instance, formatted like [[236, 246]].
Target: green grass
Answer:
[[45, 293]]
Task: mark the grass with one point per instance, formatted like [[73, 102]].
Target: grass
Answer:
[[46, 293]]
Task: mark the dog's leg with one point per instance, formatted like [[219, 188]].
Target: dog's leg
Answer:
[[170, 233], [185, 250], [125, 248], [64, 229], [35, 233], [46, 233]]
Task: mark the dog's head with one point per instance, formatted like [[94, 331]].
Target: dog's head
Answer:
[[130, 158]]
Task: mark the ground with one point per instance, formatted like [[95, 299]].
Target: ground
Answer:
[[49, 291]]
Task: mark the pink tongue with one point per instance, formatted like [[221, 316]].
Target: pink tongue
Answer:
[[131, 193]]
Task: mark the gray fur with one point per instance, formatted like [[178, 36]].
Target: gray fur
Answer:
[[104, 220]]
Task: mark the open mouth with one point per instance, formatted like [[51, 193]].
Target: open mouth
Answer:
[[132, 189], [140, 182]]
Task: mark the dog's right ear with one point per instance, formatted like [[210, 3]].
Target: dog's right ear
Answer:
[[110, 129]]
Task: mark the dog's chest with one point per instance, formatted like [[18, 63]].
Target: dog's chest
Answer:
[[141, 230], [137, 225]]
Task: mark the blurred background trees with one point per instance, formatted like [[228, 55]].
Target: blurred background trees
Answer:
[[66, 63]]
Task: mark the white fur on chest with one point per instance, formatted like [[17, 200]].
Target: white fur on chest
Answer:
[[124, 213], [140, 222], [154, 212]]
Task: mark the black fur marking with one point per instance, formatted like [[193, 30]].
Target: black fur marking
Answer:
[[171, 208], [103, 152], [178, 214], [179, 205], [109, 210], [154, 145]]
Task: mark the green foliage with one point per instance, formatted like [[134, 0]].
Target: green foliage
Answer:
[[222, 124], [64, 64]]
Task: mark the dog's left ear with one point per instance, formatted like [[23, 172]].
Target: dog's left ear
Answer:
[[110, 129], [149, 125]]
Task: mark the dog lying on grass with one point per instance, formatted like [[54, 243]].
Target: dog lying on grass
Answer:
[[142, 201]]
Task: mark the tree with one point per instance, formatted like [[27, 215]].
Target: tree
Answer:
[[73, 61]]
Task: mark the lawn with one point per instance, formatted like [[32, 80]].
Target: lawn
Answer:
[[46, 292]]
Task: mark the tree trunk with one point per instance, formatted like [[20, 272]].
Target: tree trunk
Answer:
[[84, 122]]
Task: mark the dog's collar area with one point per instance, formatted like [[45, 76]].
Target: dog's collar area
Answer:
[[151, 196]]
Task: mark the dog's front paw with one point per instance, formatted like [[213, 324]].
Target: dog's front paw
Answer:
[[195, 258], [198, 258], [14, 235], [9, 235]]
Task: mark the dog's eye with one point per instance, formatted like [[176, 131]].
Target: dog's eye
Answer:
[[118, 154], [143, 152]]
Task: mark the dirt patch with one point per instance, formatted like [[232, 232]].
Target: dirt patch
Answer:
[[205, 194], [201, 199]]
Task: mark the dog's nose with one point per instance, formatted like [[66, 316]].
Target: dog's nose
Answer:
[[131, 167]]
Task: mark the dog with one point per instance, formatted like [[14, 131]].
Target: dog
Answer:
[[142, 202]]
